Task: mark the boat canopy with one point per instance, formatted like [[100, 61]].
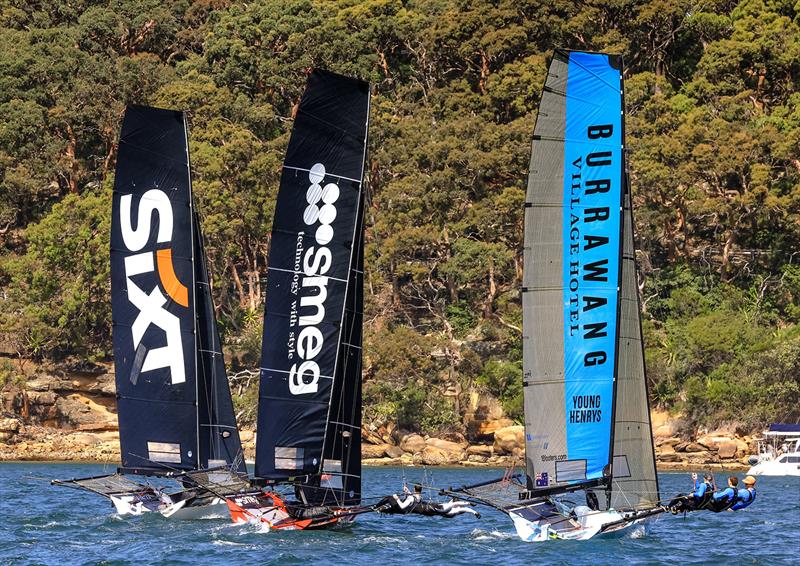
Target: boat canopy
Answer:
[[784, 429]]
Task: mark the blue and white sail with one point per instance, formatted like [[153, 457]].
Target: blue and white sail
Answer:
[[572, 271]]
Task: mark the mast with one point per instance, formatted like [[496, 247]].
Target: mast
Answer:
[[194, 237], [316, 239], [572, 273], [153, 294]]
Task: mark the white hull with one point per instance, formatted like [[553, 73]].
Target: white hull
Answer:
[[216, 509], [774, 468], [128, 505], [585, 525]]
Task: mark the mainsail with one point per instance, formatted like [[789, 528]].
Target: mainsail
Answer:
[[174, 404], [572, 272], [309, 414]]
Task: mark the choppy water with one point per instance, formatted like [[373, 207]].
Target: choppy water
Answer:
[[40, 524]]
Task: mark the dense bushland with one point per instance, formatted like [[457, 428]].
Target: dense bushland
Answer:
[[714, 137]]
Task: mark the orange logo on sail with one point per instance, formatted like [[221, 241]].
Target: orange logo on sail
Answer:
[[166, 273]]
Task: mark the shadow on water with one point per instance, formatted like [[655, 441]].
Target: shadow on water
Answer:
[[47, 525]]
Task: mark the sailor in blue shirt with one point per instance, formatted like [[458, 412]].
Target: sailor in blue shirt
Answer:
[[698, 499], [703, 490], [724, 500], [745, 497]]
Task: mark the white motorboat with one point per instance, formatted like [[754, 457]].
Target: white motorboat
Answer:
[[778, 452]]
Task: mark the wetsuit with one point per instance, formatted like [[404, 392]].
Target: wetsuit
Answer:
[[699, 499], [397, 505], [413, 503], [744, 497], [723, 500], [703, 492]]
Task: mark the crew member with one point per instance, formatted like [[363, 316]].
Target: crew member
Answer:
[[413, 503], [746, 496], [699, 499], [725, 499], [400, 504]]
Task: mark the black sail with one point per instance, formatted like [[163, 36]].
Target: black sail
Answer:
[[218, 433], [174, 403], [315, 246], [635, 482], [153, 293]]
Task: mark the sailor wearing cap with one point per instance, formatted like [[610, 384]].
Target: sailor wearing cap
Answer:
[[746, 496]]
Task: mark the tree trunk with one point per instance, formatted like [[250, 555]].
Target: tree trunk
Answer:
[[238, 283], [72, 144], [488, 307]]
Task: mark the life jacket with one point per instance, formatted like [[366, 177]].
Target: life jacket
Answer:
[[719, 505], [703, 501], [750, 500]]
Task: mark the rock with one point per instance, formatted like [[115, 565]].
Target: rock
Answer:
[[509, 438], [398, 434], [445, 445], [433, 456], [727, 450], [84, 439], [456, 437], [373, 450], [41, 397], [394, 451], [744, 448], [413, 443], [247, 435], [672, 457], [482, 428], [99, 427], [39, 383], [480, 450], [370, 437], [477, 458], [9, 425], [666, 449], [693, 447], [6, 436]]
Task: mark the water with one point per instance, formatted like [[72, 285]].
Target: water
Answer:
[[40, 524]]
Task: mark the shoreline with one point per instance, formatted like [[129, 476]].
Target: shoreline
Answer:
[[398, 463], [36, 443]]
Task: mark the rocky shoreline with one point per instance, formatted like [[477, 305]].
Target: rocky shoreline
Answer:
[[60, 416], [87, 444]]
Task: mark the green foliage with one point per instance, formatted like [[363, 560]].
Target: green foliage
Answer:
[[58, 292], [504, 380], [10, 374], [713, 122]]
